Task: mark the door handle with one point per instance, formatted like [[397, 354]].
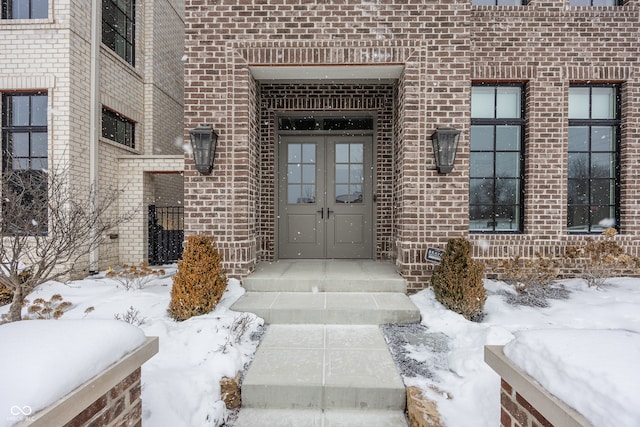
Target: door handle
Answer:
[[321, 213], [329, 212]]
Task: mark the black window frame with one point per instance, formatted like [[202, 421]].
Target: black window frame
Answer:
[[616, 4], [496, 3], [495, 122], [118, 128], [590, 122], [30, 184], [113, 35], [34, 8]]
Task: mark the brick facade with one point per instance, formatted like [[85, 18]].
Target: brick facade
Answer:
[[443, 48], [121, 406], [54, 55], [516, 411]]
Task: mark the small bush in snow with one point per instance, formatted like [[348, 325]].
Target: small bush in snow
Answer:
[[237, 330], [457, 280], [131, 316], [601, 259], [52, 309], [134, 277], [5, 295], [200, 280], [526, 273]]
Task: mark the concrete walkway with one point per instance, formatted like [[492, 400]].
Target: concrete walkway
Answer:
[[323, 360]]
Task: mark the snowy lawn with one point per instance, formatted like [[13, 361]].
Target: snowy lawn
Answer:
[[585, 348], [181, 383]]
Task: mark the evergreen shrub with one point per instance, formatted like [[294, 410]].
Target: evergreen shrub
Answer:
[[200, 280], [457, 280]]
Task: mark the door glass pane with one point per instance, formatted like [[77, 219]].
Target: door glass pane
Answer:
[[309, 153], [356, 174], [308, 194], [294, 174], [342, 153], [349, 173], [342, 174], [356, 153], [294, 194], [301, 173], [342, 193], [295, 153], [309, 174]]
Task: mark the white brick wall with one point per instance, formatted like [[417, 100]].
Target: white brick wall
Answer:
[[54, 55]]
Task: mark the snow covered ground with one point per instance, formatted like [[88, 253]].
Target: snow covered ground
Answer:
[[606, 322], [180, 383]]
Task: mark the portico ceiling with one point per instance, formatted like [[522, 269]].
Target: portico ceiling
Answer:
[[351, 73]]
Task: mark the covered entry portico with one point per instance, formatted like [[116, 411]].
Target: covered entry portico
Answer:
[[258, 214], [331, 145]]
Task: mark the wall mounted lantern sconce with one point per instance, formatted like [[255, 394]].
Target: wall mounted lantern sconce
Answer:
[[203, 143], [445, 145]]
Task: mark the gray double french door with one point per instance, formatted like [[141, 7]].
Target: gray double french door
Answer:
[[325, 196]]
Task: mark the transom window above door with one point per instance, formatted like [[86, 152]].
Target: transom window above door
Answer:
[[315, 123]]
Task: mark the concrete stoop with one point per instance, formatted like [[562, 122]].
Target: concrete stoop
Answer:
[[354, 308], [323, 375], [323, 360]]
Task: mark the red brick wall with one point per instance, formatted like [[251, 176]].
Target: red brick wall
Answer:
[[444, 46], [516, 411], [121, 406]]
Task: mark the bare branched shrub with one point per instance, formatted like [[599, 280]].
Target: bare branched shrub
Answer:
[[526, 273], [54, 308], [237, 330], [134, 277], [601, 259], [49, 225], [131, 316]]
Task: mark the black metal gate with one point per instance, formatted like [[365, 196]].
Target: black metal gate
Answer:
[[166, 234]]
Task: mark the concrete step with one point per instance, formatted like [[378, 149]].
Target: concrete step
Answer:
[[350, 308], [251, 417], [323, 367], [325, 276]]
